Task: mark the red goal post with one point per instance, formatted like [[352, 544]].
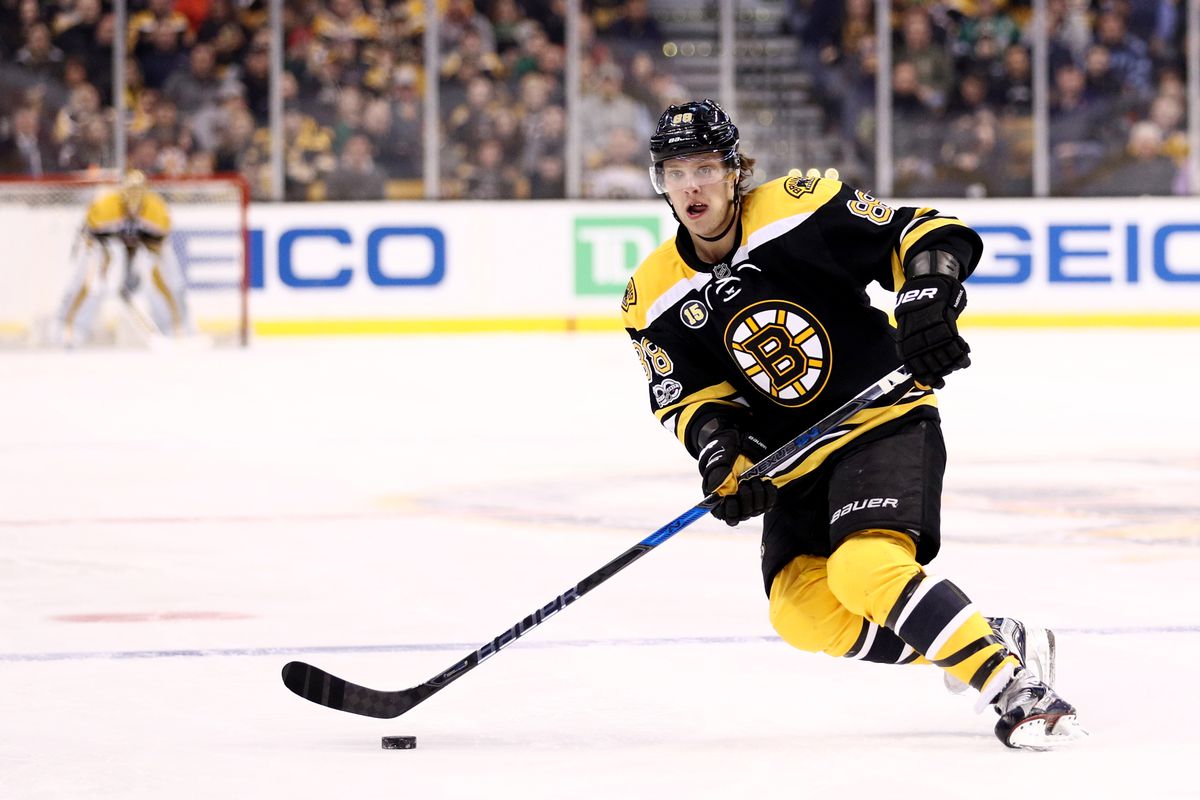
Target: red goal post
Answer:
[[40, 219]]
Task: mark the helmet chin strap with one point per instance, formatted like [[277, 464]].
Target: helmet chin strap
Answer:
[[737, 209]]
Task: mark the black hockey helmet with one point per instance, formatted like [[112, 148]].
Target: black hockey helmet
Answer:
[[697, 126]]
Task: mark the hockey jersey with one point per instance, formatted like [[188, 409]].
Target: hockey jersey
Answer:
[[107, 217], [782, 332]]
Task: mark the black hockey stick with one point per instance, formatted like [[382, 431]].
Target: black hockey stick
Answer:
[[320, 687]]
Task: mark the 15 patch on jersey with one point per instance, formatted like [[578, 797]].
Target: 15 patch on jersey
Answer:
[[782, 349]]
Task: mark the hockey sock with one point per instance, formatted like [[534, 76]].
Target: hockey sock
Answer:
[[875, 574]]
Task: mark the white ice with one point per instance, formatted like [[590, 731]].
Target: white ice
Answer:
[[176, 527]]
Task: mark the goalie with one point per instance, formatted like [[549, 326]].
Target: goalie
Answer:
[[129, 225]]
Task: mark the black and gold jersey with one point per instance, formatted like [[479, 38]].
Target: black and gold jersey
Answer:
[[782, 332], [107, 217]]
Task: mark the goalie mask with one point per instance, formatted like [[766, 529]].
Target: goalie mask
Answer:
[[133, 190]]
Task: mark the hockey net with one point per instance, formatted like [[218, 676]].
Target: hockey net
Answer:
[[40, 220]]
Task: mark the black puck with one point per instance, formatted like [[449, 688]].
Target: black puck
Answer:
[[399, 742]]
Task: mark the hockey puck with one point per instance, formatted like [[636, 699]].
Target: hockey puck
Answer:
[[399, 742]]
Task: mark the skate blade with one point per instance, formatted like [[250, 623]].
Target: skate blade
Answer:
[[1047, 733]]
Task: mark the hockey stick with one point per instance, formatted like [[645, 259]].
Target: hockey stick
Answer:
[[320, 687]]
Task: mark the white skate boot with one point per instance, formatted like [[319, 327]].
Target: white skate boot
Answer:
[[1033, 647], [1033, 716]]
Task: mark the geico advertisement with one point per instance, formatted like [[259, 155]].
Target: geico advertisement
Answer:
[[510, 259]]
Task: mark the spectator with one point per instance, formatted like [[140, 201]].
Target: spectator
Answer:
[[606, 109], [26, 149], [397, 156], [235, 141], [635, 31], [623, 172], [163, 58], [39, 58], [345, 21], [988, 22], [1077, 122], [1141, 170], [1129, 58], [88, 146], [309, 156], [460, 19], [357, 177], [222, 30], [198, 87], [167, 129], [473, 121], [491, 178], [83, 105], [507, 22], [75, 27], [143, 155], [255, 76], [928, 56], [545, 134], [915, 136], [549, 178], [1012, 92], [158, 13], [350, 104]]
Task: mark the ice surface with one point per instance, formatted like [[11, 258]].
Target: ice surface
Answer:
[[174, 528]]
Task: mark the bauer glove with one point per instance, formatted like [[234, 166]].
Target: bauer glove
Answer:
[[723, 457], [927, 310]]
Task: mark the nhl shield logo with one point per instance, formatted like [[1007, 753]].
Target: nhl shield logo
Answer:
[[782, 349]]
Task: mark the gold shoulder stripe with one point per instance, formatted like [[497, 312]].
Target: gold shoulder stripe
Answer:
[[659, 282], [921, 230], [778, 200]]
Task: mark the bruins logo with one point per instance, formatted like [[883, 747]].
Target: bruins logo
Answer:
[[798, 187], [782, 349], [630, 297]]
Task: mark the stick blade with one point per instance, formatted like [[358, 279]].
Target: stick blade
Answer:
[[318, 686]]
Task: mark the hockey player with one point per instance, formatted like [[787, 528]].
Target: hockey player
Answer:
[[752, 324], [131, 223]]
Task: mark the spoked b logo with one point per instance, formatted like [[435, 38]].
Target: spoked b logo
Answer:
[[782, 349]]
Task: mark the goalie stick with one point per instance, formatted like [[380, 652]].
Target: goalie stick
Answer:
[[320, 687]]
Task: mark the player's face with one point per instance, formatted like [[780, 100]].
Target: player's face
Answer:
[[701, 191]]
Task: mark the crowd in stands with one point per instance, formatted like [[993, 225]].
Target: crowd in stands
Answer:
[[198, 93], [963, 93]]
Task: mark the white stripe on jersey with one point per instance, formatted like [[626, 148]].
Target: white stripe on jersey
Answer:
[[768, 232], [671, 295]]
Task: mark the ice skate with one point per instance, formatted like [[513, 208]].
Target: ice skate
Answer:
[[1033, 716], [1034, 647]]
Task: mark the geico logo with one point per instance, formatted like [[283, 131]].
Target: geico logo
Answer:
[[1100, 253], [325, 258], [859, 505]]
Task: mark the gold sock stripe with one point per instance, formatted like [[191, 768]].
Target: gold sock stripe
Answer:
[[987, 668], [966, 652], [935, 617], [909, 589]]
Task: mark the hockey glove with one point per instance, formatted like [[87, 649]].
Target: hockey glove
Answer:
[[722, 458], [927, 310]]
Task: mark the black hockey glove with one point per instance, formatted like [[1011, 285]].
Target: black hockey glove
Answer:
[[725, 455], [926, 312]]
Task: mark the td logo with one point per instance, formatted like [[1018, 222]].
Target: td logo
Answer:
[[608, 250]]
